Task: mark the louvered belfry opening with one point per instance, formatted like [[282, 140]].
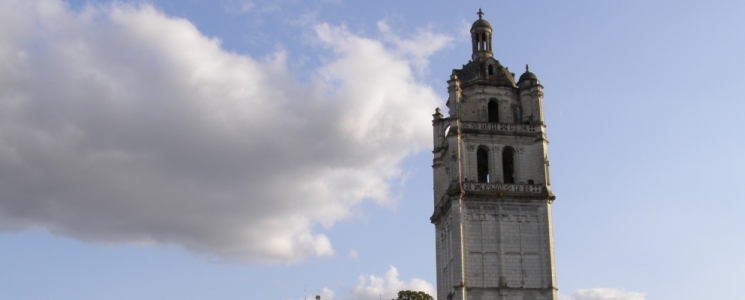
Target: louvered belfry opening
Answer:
[[508, 164], [482, 164]]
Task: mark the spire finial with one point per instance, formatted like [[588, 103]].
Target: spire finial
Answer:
[[526, 68], [480, 13]]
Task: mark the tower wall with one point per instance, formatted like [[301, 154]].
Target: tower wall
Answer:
[[492, 190]]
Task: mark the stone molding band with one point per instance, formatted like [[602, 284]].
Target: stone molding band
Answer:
[[504, 187], [501, 126]]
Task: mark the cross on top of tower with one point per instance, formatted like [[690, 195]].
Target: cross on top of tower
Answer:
[[480, 13]]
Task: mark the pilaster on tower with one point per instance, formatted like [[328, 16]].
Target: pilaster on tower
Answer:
[[454, 92]]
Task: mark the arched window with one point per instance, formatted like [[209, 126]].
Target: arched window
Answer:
[[491, 70], [493, 111], [482, 164], [508, 164]]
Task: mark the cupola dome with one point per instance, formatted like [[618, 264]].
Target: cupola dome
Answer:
[[528, 77], [480, 23]]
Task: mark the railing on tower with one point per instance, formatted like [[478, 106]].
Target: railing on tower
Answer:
[[500, 126], [504, 187]]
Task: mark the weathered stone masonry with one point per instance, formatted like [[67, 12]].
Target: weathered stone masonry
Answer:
[[492, 187]]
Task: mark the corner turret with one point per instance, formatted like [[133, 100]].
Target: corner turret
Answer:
[[531, 98]]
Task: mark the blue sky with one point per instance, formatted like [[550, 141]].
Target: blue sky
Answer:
[[276, 149]]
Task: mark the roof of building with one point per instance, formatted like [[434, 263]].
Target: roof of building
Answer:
[[477, 71], [481, 23]]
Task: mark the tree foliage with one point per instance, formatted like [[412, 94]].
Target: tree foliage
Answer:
[[413, 295]]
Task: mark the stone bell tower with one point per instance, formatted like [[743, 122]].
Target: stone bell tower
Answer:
[[492, 206]]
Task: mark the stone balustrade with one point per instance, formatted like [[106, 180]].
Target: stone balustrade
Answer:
[[505, 187], [500, 126]]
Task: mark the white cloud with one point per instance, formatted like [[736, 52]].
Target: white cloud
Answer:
[[245, 6], [371, 287], [387, 287], [239, 7], [119, 124], [603, 294], [418, 49], [326, 294], [354, 253]]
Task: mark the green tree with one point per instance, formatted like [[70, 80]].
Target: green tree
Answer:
[[412, 295]]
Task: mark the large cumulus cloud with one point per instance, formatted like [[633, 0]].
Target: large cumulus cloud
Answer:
[[119, 124]]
